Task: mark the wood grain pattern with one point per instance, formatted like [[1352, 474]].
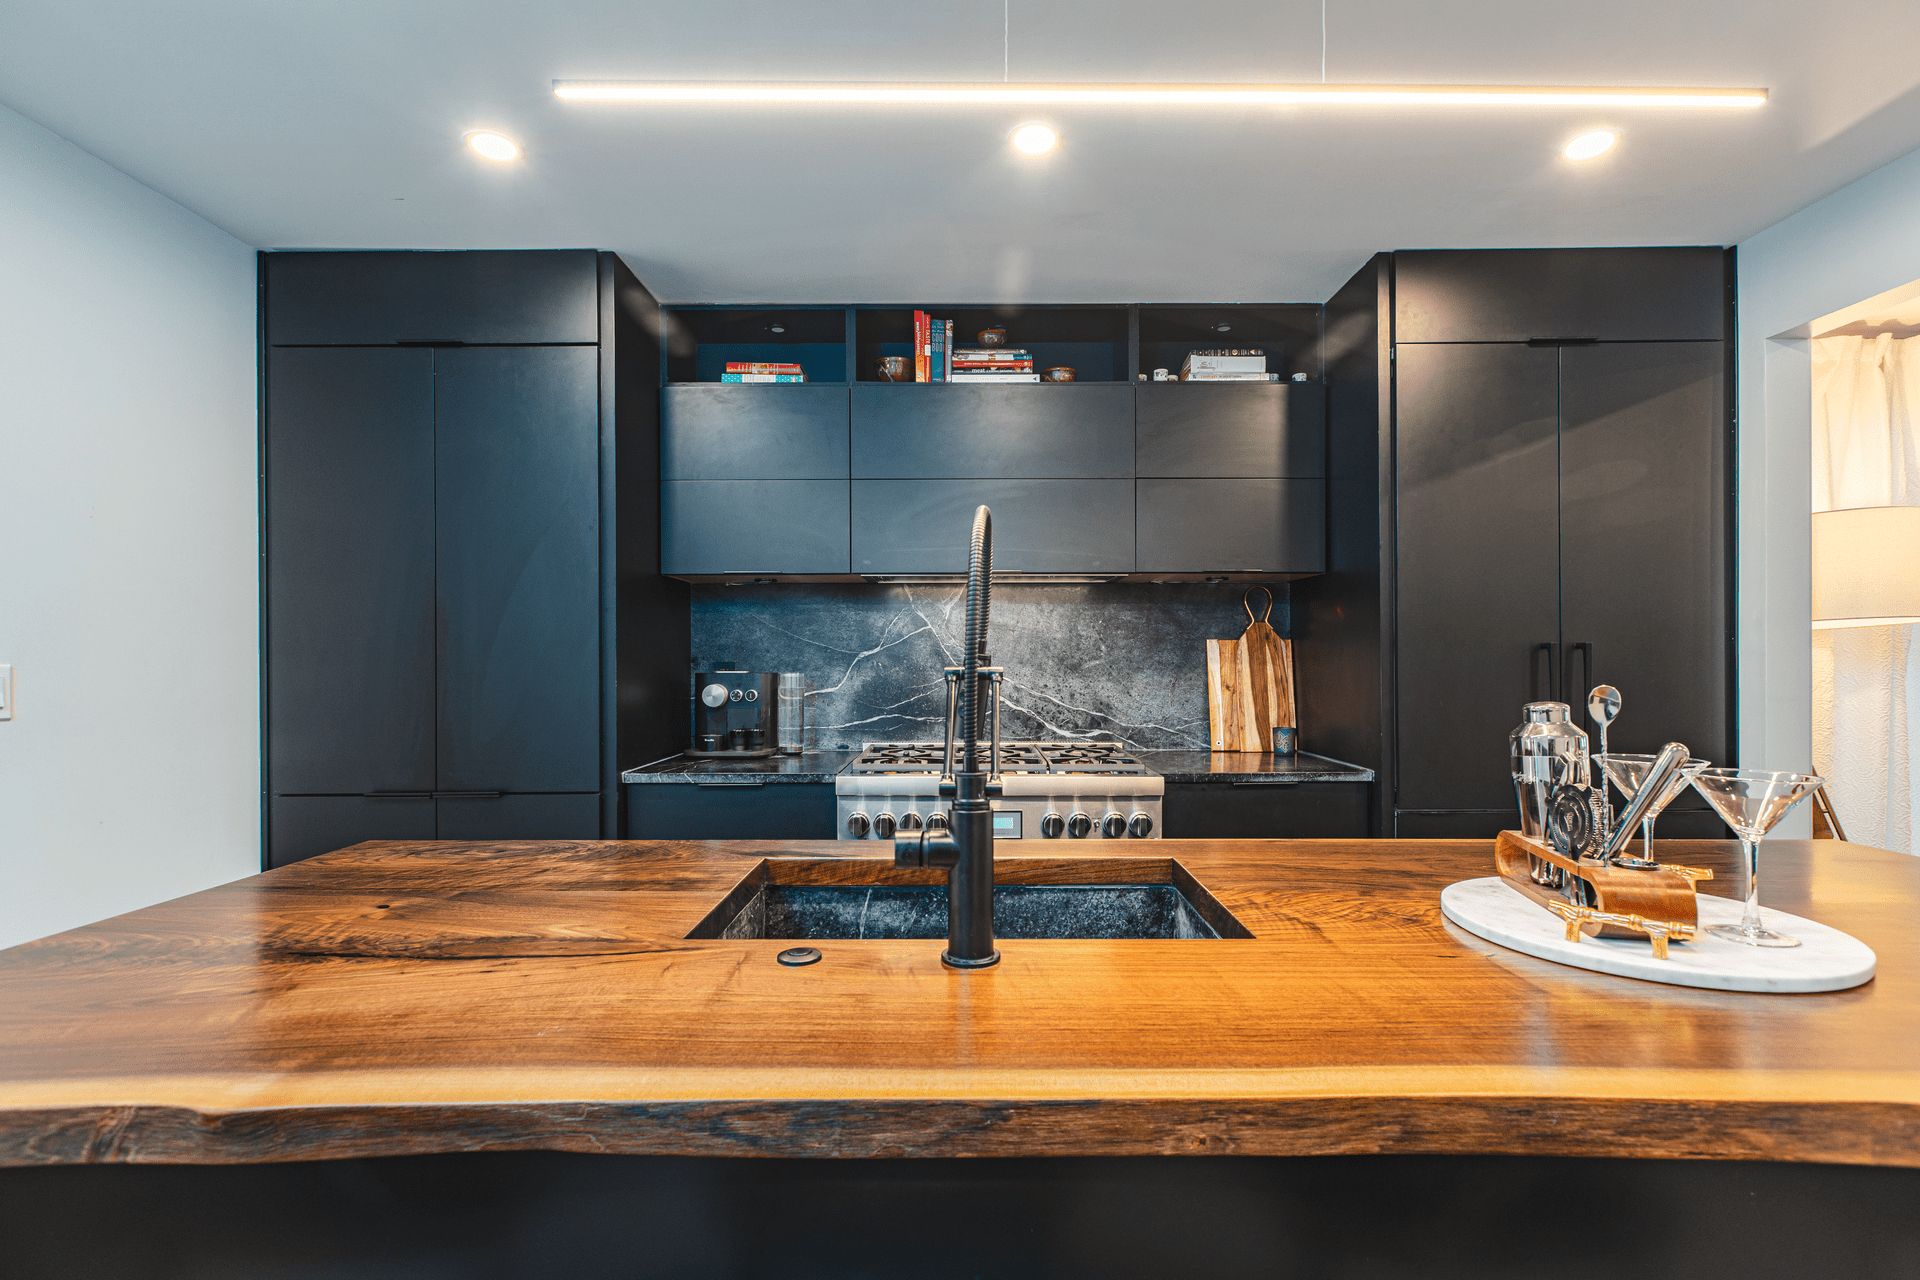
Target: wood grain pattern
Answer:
[[1356, 1019], [1652, 894], [1250, 688], [1230, 709]]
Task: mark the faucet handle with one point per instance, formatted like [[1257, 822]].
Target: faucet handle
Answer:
[[934, 847]]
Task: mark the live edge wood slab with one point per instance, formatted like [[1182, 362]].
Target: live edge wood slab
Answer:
[[406, 998]]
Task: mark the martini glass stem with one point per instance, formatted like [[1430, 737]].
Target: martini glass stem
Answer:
[[1750, 918]]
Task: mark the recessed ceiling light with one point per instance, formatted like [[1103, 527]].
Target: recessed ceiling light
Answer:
[[1034, 139], [1589, 145], [990, 93], [493, 146]]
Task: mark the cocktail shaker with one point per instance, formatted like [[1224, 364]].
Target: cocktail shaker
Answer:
[[1548, 750]]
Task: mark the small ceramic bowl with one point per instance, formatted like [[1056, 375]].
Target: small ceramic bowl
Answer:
[[1061, 374], [991, 337], [896, 368]]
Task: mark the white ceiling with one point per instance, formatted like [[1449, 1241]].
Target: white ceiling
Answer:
[[337, 123]]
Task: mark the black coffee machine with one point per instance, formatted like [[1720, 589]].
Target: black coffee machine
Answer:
[[735, 713]]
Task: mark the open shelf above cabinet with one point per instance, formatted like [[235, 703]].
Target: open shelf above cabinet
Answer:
[[700, 341]]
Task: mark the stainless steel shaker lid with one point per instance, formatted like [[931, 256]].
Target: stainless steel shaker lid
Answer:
[[1546, 712]]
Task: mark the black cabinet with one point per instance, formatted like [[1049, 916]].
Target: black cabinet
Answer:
[[1251, 430], [349, 593], [1031, 431], [1479, 562], [1516, 295], [1231, 477], [376, 299], [754, 527], [300, 827], [517, 565], [1264, 810], [1231, 526], [1058, 526], [1520, 519], [732, 431], [443, 535], [731, 811], [517, 817]]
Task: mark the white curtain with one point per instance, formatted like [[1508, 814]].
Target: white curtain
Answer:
[[1866, 680]]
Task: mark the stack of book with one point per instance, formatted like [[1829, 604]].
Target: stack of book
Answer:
[[1227, 365], [748, 371], [993, 364], [932, 348]]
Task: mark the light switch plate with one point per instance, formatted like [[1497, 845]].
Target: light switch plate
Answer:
[[6, 691]]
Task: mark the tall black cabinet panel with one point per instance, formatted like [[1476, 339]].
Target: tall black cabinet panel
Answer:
[[1529, 470], [517, 555], [467, 632], [1644, 538], [349, 601], [1478, 553]]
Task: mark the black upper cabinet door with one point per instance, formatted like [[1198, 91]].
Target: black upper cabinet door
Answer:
[[1232, 526], [1032, 431], [1058, 526], [549, 295], [1478, 547], [349, 532], [1644, 524], [517, 521], [1253, 430], [753, 526], [1513, 295], [721, 431]]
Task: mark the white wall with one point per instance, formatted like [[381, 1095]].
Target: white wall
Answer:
[[129, 773], [1861, 241]]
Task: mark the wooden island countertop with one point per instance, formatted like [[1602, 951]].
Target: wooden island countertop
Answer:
[[407, 998]]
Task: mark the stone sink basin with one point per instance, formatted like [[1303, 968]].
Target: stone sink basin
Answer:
[[843, 899]]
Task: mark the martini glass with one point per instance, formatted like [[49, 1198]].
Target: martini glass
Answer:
[[1752, 801], [1628, 772]]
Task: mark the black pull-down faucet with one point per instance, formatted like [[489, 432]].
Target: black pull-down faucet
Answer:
[[966, 850]]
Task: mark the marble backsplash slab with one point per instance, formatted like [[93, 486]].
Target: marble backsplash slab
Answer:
[[1115, 661]]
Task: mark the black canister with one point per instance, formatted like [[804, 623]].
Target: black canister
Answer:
[[756, 739], [710, 742]]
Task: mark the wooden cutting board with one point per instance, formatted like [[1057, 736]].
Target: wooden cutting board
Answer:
[[1249, 685]]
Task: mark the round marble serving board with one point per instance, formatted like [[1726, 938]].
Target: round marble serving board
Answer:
[[1825, 960]]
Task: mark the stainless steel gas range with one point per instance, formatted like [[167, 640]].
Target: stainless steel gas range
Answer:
[[1048, 791]]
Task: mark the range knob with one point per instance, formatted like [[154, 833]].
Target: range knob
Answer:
[[1078, 825], [857, 826], [936, 822], [910, 821], [1141, 826], [1113, 826], [1052, 825], [883, 827]]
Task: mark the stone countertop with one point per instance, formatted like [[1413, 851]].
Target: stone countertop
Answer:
[[406, 998], [813, 766], [1174, 766], [1247, 766]]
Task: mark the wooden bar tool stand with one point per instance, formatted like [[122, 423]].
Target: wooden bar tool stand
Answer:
[[1657, 904]]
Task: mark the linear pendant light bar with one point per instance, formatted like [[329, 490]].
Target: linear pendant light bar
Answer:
[[987, 93]]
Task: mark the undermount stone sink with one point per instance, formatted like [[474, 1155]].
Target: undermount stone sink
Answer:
[[778, 902]]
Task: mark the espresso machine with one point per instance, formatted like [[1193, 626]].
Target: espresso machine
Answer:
[[735, 714]]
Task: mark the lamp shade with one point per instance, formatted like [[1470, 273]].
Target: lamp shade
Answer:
[[1866, 567]]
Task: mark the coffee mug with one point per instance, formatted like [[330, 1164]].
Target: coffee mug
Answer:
[[1285, 740], [896, 368], [1061, 374], [992, 337]]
